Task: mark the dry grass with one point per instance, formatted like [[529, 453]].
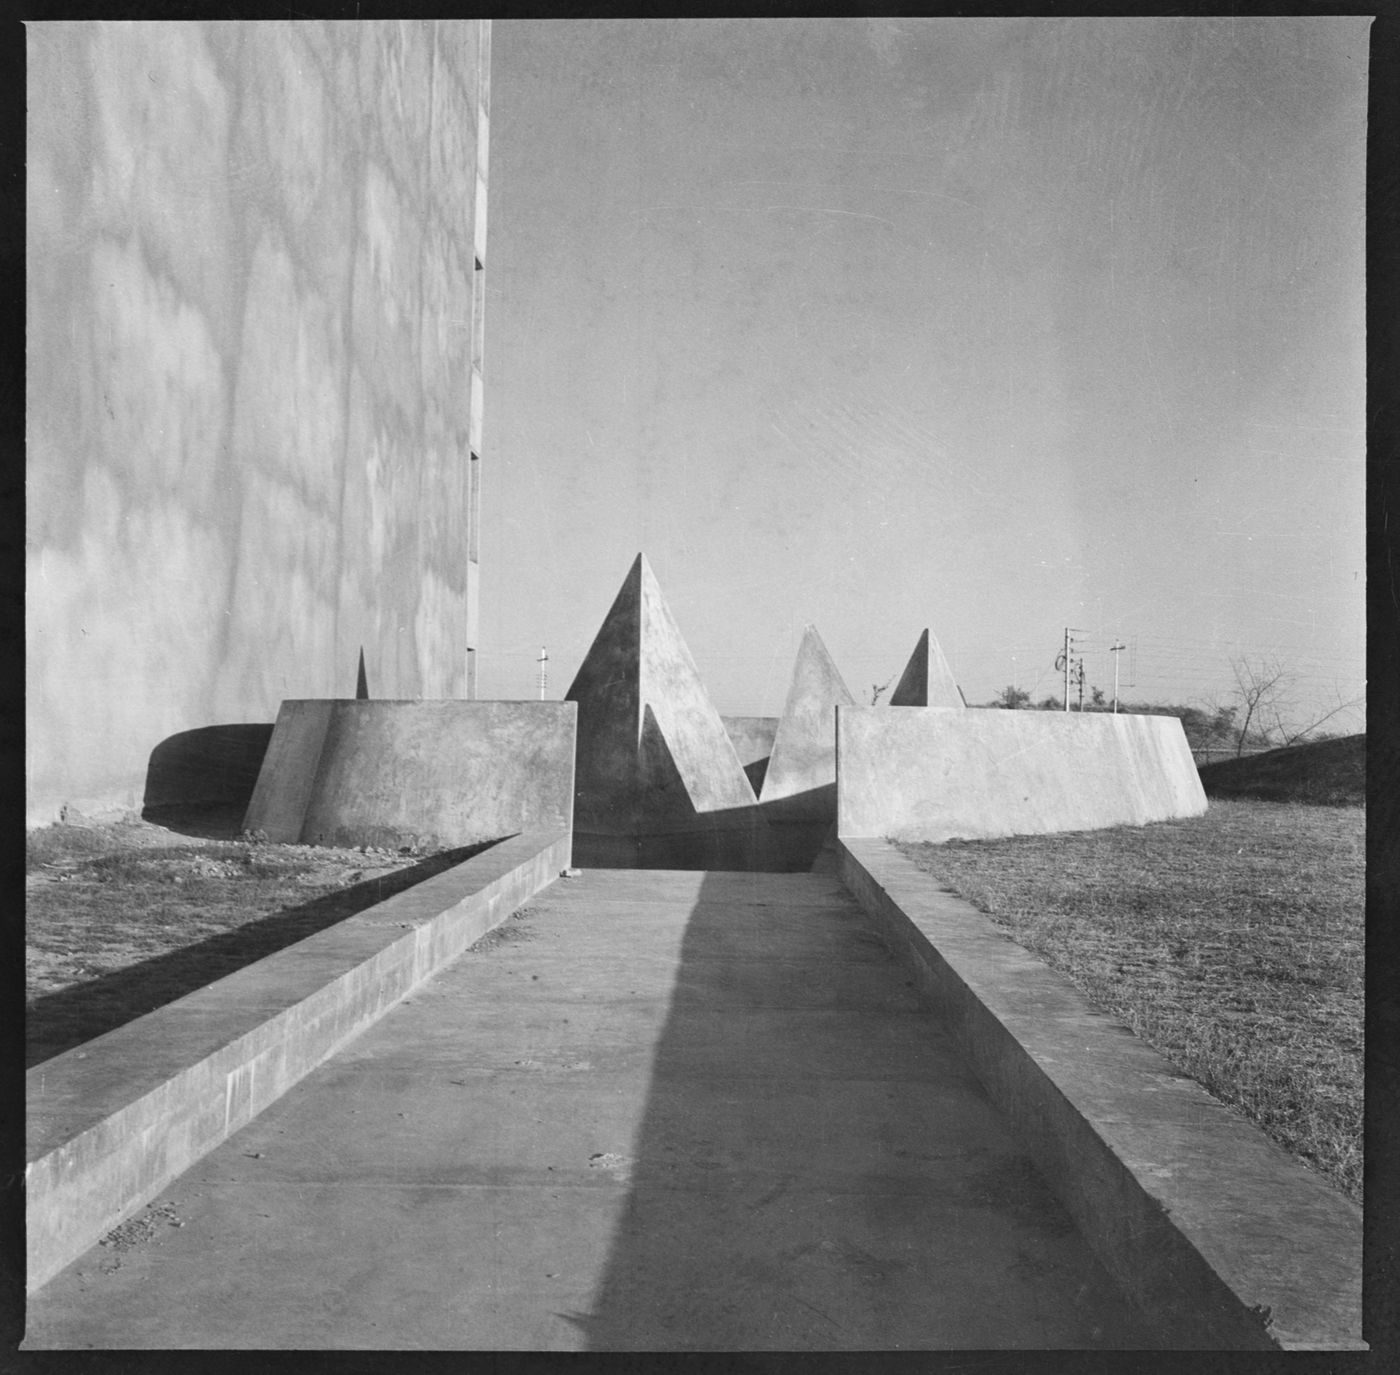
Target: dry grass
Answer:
[[1232, 943], [120, 920]]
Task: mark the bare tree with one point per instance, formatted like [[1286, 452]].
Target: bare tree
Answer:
[[1265, 691], [1262, 687], [1293, 737], [876, 689]]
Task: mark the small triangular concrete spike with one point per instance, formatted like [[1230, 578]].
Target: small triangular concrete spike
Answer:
[[804, 748], [361, 682], [927, 681], [638, 660]]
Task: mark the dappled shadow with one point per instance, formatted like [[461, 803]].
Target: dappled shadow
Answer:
[[212, 766], [59, 1021], [816, 1167]]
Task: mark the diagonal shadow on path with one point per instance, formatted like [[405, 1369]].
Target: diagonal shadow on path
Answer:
[[59, 1021], [816, 1167]]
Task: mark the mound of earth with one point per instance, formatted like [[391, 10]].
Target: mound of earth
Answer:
[[1327, 773]]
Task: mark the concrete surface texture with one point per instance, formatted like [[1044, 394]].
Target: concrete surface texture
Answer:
[[927, 681], [931, 774], [802, 769], [430, 773], [254, 352], [111, 1122], [656, 1111], [1222, 1239], [652, 753], [752, 738]]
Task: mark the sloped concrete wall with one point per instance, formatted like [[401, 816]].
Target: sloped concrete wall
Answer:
[[931, 774], [439, 773], [253, 393]]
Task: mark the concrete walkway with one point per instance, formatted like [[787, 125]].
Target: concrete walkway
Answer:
[[657, 1110]]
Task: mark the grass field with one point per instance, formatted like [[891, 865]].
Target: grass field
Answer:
[[123, 919], [1231, 942]]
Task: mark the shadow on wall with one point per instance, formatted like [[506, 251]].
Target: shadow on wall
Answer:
[[209, 770], [59, 1021], [755, 773], [817, 1168], [667, 832]]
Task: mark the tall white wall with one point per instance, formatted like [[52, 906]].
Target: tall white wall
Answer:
[[254, 352]]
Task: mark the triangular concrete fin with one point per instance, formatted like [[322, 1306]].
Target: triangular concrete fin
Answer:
[[927, 681], [804, 748], [607, 688], [704, 754], [361, 682], [637, 661]]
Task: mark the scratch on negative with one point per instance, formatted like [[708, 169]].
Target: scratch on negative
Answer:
[[820, 210], [818, 1311]]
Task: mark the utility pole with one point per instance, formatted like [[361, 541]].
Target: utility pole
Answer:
[[1066, 658], [543, 662], [1115, 650]]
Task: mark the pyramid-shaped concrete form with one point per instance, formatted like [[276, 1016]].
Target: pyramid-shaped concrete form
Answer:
[[804, 748], [638, 682], [927, 681]]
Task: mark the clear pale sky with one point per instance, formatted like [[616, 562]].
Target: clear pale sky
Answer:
[[990, 326]]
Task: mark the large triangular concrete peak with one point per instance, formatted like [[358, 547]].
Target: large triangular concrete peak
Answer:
[[927, 681], [638, 660], [607, 688], [703, 753], [804, 748]]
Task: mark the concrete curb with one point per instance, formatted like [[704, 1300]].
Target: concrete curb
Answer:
[[112, 1122], [1222, 1239]]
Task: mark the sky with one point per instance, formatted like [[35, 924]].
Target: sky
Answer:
[[991, 326]]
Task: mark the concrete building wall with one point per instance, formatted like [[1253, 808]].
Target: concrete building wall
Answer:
[[255, 262]]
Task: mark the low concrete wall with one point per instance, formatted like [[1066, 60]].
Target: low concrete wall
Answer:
[[112, 1122], [435, 773], [933, 775], [1221, 1238]]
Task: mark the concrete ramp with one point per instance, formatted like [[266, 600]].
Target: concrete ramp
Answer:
[[927, 681], [655, 1112], [654, 758], [804, 749], [936, 775], [430, 773]]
